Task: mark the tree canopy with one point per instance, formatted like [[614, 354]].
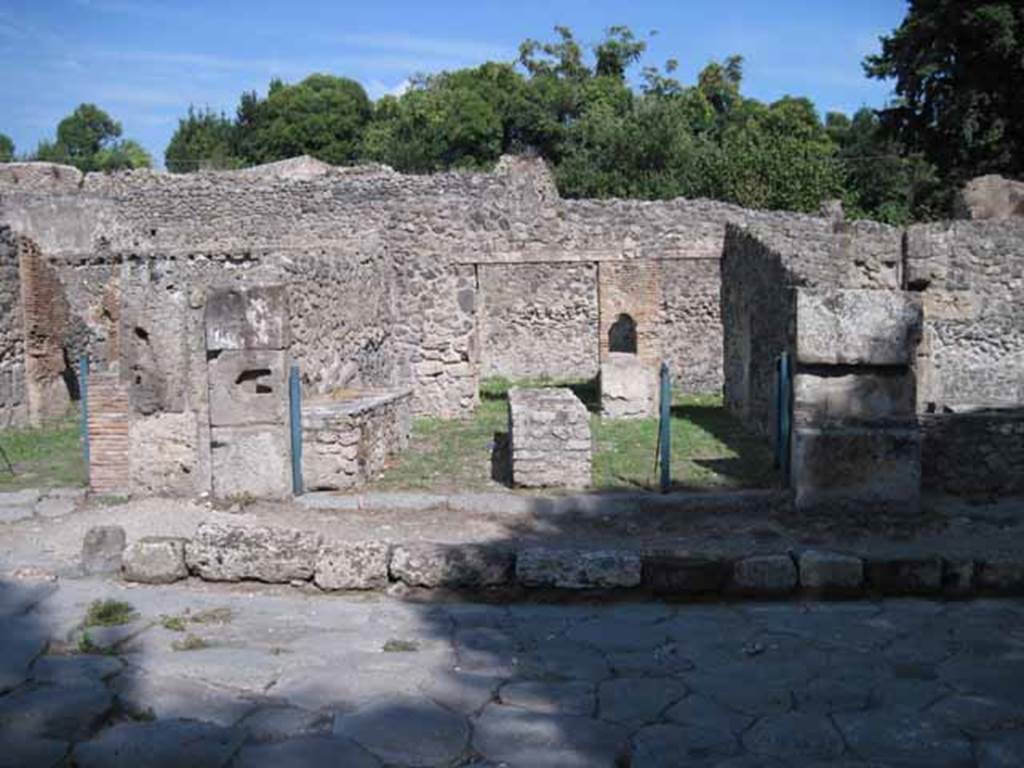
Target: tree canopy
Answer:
[[608, 130], [89, 139], [958, 71], [6, 148]]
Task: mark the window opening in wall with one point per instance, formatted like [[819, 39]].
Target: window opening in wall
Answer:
[[255, 375], [622, 335]]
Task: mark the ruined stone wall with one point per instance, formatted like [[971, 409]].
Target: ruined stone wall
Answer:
[[981, 452], [538, 320], [13, 406], [691, 323]]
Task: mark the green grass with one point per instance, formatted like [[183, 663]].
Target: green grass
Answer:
[[109, 613], [710, 449], [43, 458]]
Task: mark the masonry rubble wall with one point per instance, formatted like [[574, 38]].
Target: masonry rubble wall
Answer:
[[13, 404]]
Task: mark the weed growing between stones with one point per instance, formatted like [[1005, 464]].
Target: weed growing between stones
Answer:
[[219, 615], [400, 646], [109, 613], [87, 645], [173, 623], [190, 643]]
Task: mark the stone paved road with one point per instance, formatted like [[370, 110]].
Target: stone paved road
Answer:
[[208, 676]]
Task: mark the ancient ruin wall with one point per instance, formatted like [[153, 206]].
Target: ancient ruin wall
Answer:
[[13, 407]]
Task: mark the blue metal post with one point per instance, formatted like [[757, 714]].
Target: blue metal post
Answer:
[[295, 403], [83, 395], [664, 427], [784, 403]]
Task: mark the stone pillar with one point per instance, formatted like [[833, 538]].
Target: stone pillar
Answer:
[[247, 340], [855, 438], [549, 434], [629, 387]]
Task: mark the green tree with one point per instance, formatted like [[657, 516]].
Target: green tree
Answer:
[[6, 148], [958, 67], [203, 140], [323, 116], [88, 140]]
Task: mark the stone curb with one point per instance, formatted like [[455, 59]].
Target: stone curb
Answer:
[[36, 502], [281, 555]]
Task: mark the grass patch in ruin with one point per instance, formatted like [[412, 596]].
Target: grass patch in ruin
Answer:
[[173, 623], [109, 613], [400, 646], [190, 643], [219, 615], [87, 645], [710, 448], [47, 457]]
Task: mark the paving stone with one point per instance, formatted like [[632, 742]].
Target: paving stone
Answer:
[[669, 573], [518, 737], [452, 565], [745, 689], [1005, 750], [637, 701], [764, 575], [550, 697], [24, 752], [280, 723], [1005, 576], [560, 661], [702, 712], [352, 565], [18, 597], [163, 744], [904, 738], [309, 751], [670, 746], [613, 633], [220, 552], [14, 514], [978, 715], [156, 560], [665, 660], [24, 497], [55, 711], [570, 569], [830, 571], [21, 640], [103, 549], [464, 692], [57, 506], [170, 698], [896, 575], [835, 693], [908, 695], [75, 669], [794, 736], [429, 734]]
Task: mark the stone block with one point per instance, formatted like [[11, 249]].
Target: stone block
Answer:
[[221, 552], [18, 505], [765, 575], [867, 396], [156, 560], [252, 461], [830, 571], [629, 387], [549, 431], [248, 387], [990, 197], [247, 318], [1004, 575], [164, 457], [856, 327], [684, 574], [452, 565], [352, 565], [904, 575], [572, 569], [103, 549], [857, 468]]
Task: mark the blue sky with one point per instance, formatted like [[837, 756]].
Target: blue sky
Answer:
[[145, 62]]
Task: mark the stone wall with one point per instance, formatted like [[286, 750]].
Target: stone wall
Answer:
[[538, 320], [13, 405], [980, 452]]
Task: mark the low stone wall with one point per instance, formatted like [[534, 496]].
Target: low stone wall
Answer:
[[220, 552], [980, 452], [346, 442], [549, 435]]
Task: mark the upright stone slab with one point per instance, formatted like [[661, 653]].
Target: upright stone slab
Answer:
[[629, 387], [549, 431]]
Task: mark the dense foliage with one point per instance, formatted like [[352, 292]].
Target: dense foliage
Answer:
[[610, 126], [6, 148], [89, 139], [958, 67]]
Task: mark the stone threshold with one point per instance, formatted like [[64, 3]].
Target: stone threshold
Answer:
[[223, 552]]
